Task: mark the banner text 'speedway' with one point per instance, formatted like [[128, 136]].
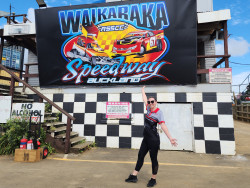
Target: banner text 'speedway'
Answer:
[[118, 43]]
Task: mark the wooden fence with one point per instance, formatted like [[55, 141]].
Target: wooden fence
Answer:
[[242, 112]]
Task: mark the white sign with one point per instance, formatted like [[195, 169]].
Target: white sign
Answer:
[[29, 109], [220, 76], [117, 110], [5, 108]]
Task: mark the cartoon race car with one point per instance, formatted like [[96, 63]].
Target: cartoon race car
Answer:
[[87, 49], [139, 42]]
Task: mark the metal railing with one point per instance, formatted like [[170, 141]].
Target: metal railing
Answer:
[[41, 98], [12, 18], [243, 84]]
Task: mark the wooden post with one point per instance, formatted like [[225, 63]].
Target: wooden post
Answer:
[[241, 109], [236, 112], [1, 49], [26, 78], [40, 99], [67, 141], [247, 113], [12, 87], [226, 44], [24, 19]]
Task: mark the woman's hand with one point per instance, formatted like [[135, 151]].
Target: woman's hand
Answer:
[[173, 142]]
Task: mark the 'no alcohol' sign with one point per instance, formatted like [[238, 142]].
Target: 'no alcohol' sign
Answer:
[[34, 110]]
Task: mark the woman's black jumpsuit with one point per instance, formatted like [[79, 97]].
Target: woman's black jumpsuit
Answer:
[[151, 139]]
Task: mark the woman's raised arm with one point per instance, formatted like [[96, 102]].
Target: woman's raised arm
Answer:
[[144, 96]]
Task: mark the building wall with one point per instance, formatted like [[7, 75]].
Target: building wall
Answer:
[[209, 47], [212, 115], [5, 74], [32, 58], [213, 129], [204, 5]]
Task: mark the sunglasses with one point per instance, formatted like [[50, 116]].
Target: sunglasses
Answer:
[[152, 102]]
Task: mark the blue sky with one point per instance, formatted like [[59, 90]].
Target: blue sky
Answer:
[[239, 40], [238, 27]]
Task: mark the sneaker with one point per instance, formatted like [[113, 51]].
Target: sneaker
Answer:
[[131, 178], [151, 182]]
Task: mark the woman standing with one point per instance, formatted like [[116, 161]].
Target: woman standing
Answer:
[[151, 139]]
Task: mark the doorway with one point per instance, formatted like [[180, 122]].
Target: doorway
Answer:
[[178, 118]]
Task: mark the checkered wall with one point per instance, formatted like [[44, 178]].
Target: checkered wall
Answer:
[[212, 119]]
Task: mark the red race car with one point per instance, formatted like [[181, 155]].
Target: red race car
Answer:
[[88, 50], [139, 42]]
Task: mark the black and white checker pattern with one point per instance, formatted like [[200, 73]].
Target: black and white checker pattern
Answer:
[[213, 124], [212, 119]]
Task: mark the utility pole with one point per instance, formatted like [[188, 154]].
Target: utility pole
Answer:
[[13, 18]]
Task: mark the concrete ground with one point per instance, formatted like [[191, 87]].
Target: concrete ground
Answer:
[[107, 168], [242, 137]]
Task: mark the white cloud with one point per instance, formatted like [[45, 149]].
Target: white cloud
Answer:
[[47, 3], [31, 15], [237, 46], [90, 1], [50, 1], [238, 79], [65, 2], [247, 21], [239, 12], [236, 21]]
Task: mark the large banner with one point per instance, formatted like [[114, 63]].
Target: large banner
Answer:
[[119, 43]]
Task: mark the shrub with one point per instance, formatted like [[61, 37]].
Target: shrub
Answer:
[[14, 130], [48, 107]]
